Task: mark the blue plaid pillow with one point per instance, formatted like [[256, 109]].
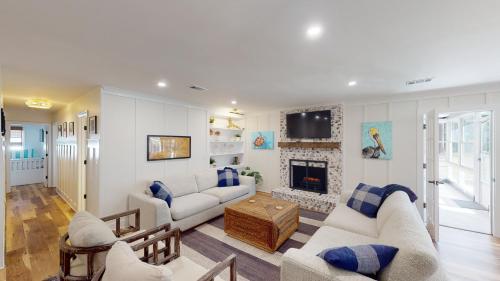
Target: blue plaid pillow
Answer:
[[161, 191], [366, 199], [364, 259], [228, 177]]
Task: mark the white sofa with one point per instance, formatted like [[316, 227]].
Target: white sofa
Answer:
[[196, 200], [397, 224]]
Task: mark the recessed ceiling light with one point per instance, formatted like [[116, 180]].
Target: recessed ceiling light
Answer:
[[38, 103], [234, 102], [314, 31], [352, 83], [162, 84]]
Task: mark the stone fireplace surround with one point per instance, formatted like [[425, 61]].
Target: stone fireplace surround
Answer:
[[310, 200]]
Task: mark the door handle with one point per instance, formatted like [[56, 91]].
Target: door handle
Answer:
[[436, 182]]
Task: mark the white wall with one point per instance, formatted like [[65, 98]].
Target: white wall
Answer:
[[27, 115], [2, 185], [267, 162], [407, 117], [126, 120], [64, 151], [406, 113]]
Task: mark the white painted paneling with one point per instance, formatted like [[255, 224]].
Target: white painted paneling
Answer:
[[117, 153], [404, 163], [267, 162], [90, 102], [176, 122], [147, 122], [92, 176], [353, 166], [176, 118], [125, 123], [468, 101], [197, 129]]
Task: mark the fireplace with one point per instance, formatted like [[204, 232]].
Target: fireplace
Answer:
[[309, 175]]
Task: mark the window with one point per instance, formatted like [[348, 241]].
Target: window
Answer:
[[16, 137], [455, 138], [467, 148], [443, 140]]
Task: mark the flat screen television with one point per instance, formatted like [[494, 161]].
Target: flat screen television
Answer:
[[309, 125]]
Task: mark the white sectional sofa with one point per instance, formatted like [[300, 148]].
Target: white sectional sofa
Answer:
[[196, 200], [397, 224]]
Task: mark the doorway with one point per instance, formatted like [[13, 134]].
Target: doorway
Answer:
[[465, 170], [27, 154]]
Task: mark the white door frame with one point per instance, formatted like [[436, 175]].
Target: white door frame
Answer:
[[48, 143], [81, 143], [495, 196]]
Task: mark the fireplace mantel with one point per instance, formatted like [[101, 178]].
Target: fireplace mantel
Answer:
[[317, 144]]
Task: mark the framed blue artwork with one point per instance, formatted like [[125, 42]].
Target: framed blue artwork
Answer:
[[263, 140], [376, 140]]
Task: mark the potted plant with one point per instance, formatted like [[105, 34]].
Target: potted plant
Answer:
[[211, 120], [252, 173], [237, 137], [212, 163]]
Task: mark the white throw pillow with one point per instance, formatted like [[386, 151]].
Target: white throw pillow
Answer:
[[123, 265], [85, 230]]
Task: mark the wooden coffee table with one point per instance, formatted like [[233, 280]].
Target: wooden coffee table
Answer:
[[262, 224]]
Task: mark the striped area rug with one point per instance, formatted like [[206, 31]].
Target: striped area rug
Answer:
[[208, 244]]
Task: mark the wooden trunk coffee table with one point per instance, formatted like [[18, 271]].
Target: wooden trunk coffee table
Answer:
[[265, 224]]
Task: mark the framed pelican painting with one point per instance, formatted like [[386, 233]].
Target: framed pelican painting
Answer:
[[376, 138]]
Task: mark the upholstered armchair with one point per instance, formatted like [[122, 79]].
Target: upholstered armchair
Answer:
[[166, 257], [83, 249]]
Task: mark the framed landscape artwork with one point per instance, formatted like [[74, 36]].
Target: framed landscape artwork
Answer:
[[263, 140], [71, 128], [377, 140], [65, 129], [161, 147], [93, 125]]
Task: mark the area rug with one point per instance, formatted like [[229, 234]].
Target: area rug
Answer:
[[208, 244], [469, 204]]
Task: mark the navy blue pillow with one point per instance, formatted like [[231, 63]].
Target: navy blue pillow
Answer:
[[366, 199], [161, 191], [228, 177], [364, 259], [391, 188]]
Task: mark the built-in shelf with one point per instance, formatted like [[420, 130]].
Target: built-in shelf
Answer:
[[226, 129], [217, 141], [321, 145], [239, 166], [226, 154]]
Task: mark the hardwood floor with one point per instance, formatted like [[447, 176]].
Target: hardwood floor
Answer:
[[469, 256], [35, 219], [37, 216]]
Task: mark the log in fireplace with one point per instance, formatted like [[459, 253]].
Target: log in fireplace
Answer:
[[309, 175]]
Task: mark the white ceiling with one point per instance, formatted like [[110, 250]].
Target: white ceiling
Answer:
[[252, 51]]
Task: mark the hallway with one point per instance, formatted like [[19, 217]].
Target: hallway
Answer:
[[35, 219]]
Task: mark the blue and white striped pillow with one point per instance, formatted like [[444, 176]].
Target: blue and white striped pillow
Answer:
[[228, 177], [366, 199], [364, 259], [161, 191]]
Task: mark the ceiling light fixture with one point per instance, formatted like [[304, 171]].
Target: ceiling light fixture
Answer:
[[234, 102], [352, 83], [314, 31], [162, 84], [38, 103]]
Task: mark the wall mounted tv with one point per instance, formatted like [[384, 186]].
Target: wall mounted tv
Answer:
[[309, 125]]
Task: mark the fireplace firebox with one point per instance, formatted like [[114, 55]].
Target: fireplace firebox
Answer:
[[309, 175]]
